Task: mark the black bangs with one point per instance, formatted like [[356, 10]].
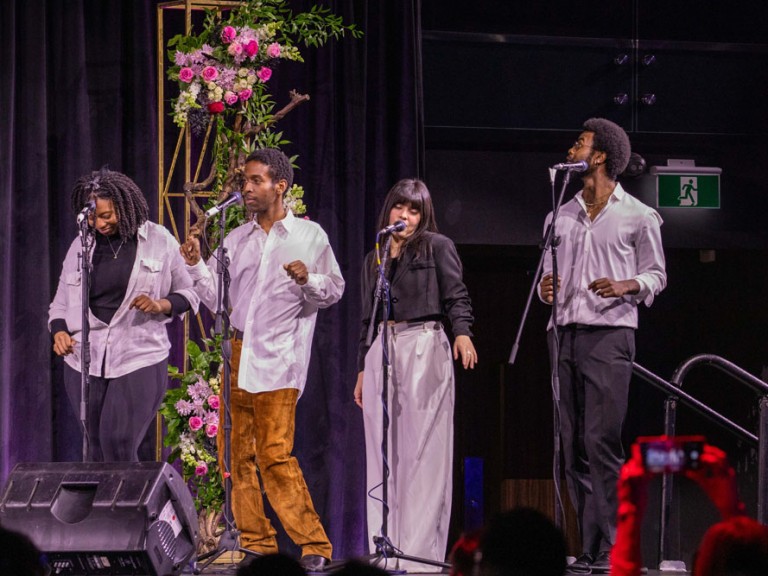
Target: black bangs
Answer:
[[410, 195]]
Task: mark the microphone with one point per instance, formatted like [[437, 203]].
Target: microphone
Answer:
[[89, 207], [233, 198], [398, 226], [580, 166]]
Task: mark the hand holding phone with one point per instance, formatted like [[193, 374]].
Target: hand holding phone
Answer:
[[717, 478]]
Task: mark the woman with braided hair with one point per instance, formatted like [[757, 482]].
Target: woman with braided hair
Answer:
[[138, 284]]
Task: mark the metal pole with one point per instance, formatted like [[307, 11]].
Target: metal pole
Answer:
[[762, 478]]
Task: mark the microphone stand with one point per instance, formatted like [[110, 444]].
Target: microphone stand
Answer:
[[86, 267], [228, 541], [384, 547], [549, 243]]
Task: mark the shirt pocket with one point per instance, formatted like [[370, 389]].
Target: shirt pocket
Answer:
[[150, 273], [72, 280]]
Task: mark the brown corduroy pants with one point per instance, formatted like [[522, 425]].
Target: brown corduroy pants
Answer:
[[263, 426]]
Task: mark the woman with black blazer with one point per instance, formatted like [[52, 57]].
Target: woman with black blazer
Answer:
[[426, 291]]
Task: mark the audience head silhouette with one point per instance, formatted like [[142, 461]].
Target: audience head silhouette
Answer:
[[19, 556], [522, 542], [734, 547]]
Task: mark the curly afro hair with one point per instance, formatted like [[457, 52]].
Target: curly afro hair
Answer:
[[279, 164], [611, 139]]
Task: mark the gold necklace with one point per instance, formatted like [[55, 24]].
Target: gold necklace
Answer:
[[115, 253], [594, 204]]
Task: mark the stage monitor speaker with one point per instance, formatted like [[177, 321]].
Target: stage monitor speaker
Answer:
[[95, 518]]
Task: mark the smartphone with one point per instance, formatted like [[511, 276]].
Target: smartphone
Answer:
[[665, 454]]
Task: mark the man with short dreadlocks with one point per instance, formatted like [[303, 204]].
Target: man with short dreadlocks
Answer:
[[138, 284], [283, 271]]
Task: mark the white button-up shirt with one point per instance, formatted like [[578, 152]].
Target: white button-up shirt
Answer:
[[133, 339], [623, 242], [276, 315]]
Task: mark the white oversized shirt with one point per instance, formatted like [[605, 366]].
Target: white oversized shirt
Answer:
[[133, 339], [276, 315], [623, 242]]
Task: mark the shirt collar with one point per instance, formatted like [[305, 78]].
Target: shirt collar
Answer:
[[288, 223], [616, 196]]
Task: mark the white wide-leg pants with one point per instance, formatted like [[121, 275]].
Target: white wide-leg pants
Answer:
[[420, 451]]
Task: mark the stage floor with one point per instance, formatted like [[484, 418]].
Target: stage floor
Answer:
[[225, 567]]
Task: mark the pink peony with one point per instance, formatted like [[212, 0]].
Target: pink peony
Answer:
[[264, 73], [216, 107], [201, 469], [195, 423], [211, 430], [245, 94], [273, 50], [210, 73], [186, 74], [235, 49], [252, 48], [213, 401], [228, 34], [231, 99]]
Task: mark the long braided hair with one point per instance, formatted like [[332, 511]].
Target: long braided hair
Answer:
[[130, 204]]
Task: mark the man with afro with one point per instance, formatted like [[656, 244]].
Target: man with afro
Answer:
[[610, 259]]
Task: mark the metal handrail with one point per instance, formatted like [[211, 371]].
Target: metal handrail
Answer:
[[675, 394], [722, 364]]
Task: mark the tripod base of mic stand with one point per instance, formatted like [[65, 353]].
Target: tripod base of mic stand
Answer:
[[228, 542], [386, 551]]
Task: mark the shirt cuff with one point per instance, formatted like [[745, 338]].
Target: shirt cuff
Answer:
[[198, 271], [59, 325], [313, 284], [179, 304], [644, 294]]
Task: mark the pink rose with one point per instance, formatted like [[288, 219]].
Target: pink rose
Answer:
[[264, 73], [273, 51], [195, 423], [231, 99], [216, 107], [210, 73], [235, 49], [252, 48], [228, 34], [186, 75], [213, 401], [201, 469], [211, 430], [245, 94]]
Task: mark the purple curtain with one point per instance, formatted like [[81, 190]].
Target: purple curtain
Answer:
[[78, 90]]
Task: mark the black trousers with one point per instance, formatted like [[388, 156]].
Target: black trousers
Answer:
[[120, 410], [595, 368]]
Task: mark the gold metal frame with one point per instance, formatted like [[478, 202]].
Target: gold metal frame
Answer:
[[182, 158]]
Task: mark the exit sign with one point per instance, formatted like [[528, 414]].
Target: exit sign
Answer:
[[688, 190]]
